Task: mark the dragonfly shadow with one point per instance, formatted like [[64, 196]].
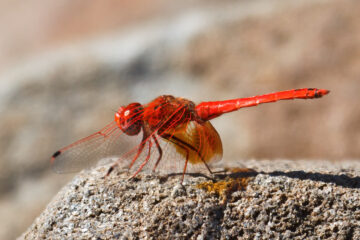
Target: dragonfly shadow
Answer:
[[339, 180], [238, 174], [191, 174], [221, 174]]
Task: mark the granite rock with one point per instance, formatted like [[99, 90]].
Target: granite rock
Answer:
[[279, 200]]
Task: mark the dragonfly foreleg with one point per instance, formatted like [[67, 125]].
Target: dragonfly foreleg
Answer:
[[145, 161], [140, 149]]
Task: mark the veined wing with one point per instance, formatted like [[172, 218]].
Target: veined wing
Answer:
[[200, 141], [84, 153]]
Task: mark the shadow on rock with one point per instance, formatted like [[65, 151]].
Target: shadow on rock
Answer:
[[339, 180]]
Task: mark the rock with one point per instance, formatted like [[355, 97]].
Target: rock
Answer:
[[279, 199]]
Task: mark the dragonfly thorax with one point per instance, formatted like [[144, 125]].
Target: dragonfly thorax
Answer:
[[130, 118]]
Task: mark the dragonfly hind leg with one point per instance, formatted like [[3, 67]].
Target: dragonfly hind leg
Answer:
[[160, 153], [187, 147]]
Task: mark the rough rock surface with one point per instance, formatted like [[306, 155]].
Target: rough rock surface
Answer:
[[280, 200]]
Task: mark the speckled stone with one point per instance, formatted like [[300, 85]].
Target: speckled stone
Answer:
[[283, 200]]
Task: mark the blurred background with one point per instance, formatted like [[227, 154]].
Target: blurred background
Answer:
[[65, 66]]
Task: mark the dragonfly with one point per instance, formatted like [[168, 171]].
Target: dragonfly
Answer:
[[168, 134]]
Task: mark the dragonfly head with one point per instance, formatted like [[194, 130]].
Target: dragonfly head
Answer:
[[129, 118]]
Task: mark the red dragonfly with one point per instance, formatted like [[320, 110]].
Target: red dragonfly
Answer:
[[167, 134]]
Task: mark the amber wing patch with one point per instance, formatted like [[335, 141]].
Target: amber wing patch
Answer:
[[200, 142]]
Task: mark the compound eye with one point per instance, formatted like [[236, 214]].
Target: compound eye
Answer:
[[129, 118]]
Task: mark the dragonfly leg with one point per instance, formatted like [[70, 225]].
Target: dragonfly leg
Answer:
[[160, 152], [145, 161], [112, 167], [140, 149], [207, 166], [187, 147], [186, 162]]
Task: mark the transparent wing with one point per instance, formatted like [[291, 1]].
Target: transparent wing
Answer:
[[110, 142], [202, 144]]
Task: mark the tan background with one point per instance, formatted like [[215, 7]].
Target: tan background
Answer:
[[65, 67]]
